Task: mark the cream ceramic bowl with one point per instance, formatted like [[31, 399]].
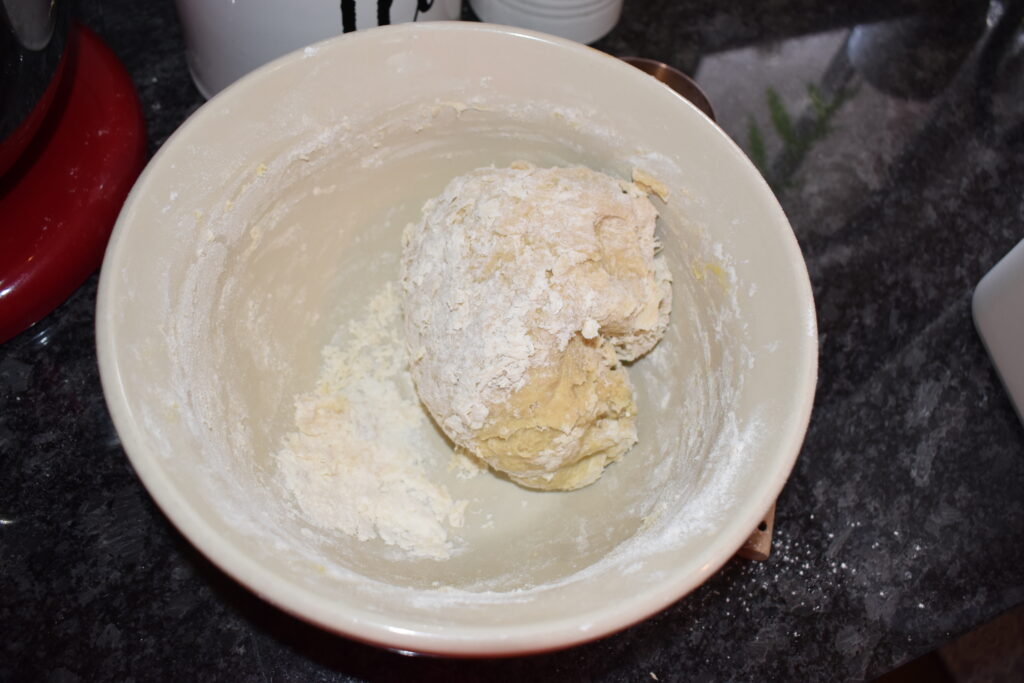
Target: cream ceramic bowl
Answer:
[[272, 214]]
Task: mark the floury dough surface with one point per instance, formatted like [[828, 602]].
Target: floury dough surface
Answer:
[[524, 289]]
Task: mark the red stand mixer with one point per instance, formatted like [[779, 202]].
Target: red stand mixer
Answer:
[[72, 142]]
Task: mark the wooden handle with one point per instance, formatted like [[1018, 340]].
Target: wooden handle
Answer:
[[759, 545]]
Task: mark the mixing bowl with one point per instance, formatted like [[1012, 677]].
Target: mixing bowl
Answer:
[[276, 211]]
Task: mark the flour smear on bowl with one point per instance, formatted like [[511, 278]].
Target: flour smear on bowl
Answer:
[[275, 250], [695, 447]]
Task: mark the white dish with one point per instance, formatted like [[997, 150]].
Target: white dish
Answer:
[[276, 209], [998, 307]]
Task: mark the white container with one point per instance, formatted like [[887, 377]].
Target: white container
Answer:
[[581, 20], [226, 39], [998, 307]]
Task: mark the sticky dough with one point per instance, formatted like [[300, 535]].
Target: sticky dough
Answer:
[[523, 290]]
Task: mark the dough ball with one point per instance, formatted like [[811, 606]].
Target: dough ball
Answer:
[[523, 290]]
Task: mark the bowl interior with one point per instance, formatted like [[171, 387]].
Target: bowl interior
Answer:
[[276, 211]]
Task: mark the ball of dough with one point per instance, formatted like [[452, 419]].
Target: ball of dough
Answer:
[[523, 289]]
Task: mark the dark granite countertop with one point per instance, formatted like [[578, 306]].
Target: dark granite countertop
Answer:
[[897, 151]]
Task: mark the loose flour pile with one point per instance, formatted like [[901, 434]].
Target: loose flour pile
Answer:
[[353, 463]]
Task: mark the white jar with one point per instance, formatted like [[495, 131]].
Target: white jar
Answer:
[[226, 39], [581, 20]]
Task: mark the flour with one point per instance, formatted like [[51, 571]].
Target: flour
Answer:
[[353, 464], [464, 464]]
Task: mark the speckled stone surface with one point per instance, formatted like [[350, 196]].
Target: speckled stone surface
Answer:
[[901, 526]]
